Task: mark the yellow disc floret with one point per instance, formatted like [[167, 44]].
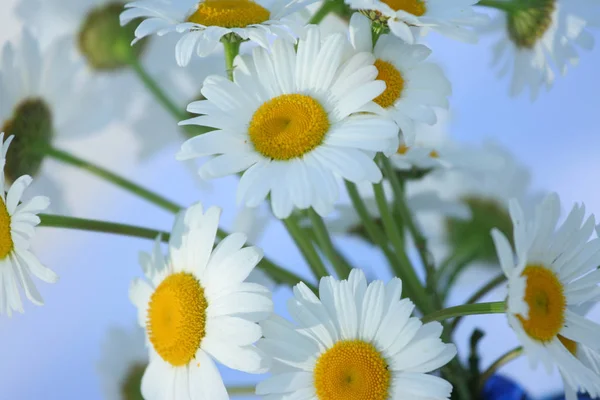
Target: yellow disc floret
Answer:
[[352, 370], [6, 242], [544, 294], [288, 126], [394, 83], [414, 7], [229, 13], [177, 318]]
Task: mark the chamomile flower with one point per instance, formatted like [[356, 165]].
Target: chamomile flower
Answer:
[[356, 341], [124, 359], [554, 270], [204, 22], [538, 39], [413, 87], [196, 306], [452, 18], [288, 121], [17, 223]]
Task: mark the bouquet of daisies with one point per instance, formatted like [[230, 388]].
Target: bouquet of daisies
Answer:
[[328, 130]]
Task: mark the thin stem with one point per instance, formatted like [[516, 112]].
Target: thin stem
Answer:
[[240, 390], [134, 188], [478, 295], [326, 8], [498, 4], [232, 49], [497, 307], [342, 268], [59, 221], [504, 359], [306, 248]]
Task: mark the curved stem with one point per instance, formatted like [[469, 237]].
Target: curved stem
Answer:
[[478, 295], [497, 4], [240, 390], [306, 248], [497, 307], [134, 188], [342, 268], [92, 225], [232, 49], [504, 359], [321, 13]]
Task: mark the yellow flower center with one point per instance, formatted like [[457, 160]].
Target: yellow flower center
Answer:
[[434, 154], [547, 303], [6, 242], [177, 318], [393, 81], [569, 344], [229, 13], [403, 149], [414, 7], [288, 126], [352, 370]]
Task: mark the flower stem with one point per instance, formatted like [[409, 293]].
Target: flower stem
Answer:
[[497, 307], [232, 49], [134, 188], [326, 8], [342, 268], [240, 390], [504, 359], [59, 221], [306, 247], [478, 295], [498, 4]]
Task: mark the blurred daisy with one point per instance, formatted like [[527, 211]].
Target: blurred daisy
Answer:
[[448, 17], [196, 306], [357, 341], [204, 22], [413, 86], [287, 121], [17, 221], [537, 39], [124, 359], [553, 270]]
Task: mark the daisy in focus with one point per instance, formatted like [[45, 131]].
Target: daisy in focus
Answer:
[[17, 221], [356, 341], [448, 17], [413, 87], [196, 306], [554, 270], [204, 23], [124, 360], [539, 38], [287, 122]]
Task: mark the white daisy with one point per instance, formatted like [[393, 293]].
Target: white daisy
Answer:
[[554, 269], [448, 17], [413, 87], [287, 121], [18, 220], [355, 342], [196, 306], [539, 39], [204, 22], [124, 358]]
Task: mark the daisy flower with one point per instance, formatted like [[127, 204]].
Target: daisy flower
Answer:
[[413, 86], [536, 40], [448, 17], [17, 221], [356, 341], [124, 358], [195, 306], [553, 270], [287, 121], [204, 22]]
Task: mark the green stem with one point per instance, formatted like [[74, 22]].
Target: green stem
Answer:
[[157, 91], [342, 268], [404, 269], [478, 295], [232, 49], [306, 248], [240, 390], [497, 307], [146, 194], [326, 8], [59, 221], [504, 359], [498, 4]]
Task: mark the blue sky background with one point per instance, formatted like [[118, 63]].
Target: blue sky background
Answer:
[[51, 352]]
